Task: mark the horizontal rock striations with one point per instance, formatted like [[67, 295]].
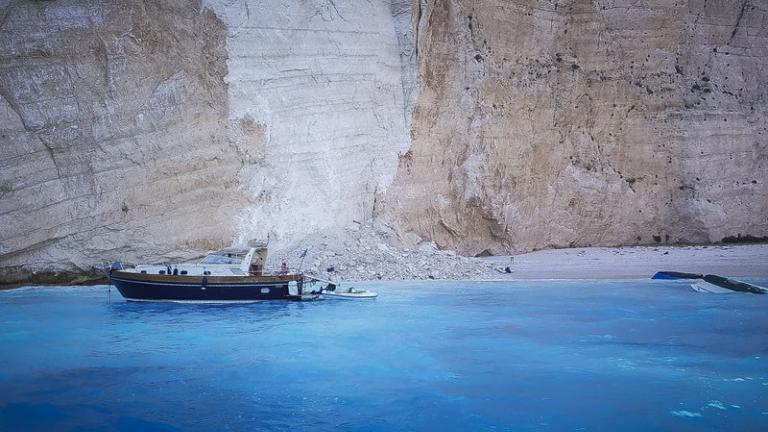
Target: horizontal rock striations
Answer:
[[138, 129], [323, 81], [153, 131], [573, 123], [113, 134]]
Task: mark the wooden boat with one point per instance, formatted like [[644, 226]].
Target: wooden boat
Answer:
[[228, 275]]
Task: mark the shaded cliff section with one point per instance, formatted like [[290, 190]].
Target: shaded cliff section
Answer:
[[113, 135], [546, 123]]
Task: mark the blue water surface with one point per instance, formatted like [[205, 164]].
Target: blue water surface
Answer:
[[443, 356]]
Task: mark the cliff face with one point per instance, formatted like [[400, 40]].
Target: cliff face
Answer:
[[156, 130], [138, 129], [322, 82], [113, 121], [560, 123]]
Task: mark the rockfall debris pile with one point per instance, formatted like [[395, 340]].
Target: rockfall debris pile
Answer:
[[373, 251]]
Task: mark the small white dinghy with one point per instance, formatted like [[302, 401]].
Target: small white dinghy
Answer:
[[719, 284], [706, 287], [332, 290], [350, 294]]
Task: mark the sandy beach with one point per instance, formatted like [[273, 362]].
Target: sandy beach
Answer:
[[367, 258], [367, 253], [637, 262]]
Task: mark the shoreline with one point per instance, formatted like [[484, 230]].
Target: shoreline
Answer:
[[639, 262], [594, 263]]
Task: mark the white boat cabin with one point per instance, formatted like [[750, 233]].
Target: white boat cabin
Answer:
[[233, 261]]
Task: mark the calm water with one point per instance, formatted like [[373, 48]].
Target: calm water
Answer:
[[424, 356]]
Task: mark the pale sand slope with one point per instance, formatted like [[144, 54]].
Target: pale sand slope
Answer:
[[374, 251], [638, 262]]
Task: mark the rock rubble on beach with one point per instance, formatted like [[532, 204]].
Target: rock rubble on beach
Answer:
[[368, 251]]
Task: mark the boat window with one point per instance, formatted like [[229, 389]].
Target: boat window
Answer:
[[161, 272], [219, 259], [183, 272], [143, 272], [265, 290]]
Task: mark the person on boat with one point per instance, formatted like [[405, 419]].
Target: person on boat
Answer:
[[284, 268]]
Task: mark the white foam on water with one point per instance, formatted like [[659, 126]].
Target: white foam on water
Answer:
[[717, 404], [685, 414]]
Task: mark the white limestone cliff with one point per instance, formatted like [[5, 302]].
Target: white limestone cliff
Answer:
[[153, 131], [321, 80], [112, 135]]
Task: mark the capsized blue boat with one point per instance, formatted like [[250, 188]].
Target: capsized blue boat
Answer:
[[672, 275]]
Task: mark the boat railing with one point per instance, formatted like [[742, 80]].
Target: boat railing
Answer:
[[317, 279], [277, 273]]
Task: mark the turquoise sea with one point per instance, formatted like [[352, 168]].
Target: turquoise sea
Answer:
[[424, 356]]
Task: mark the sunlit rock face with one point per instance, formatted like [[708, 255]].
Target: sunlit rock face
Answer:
[[113, 124], [323, 82], [152, 131], [558, 123]]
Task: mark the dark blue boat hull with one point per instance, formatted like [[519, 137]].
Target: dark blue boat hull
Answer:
[[671, 275], [200, 289]]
